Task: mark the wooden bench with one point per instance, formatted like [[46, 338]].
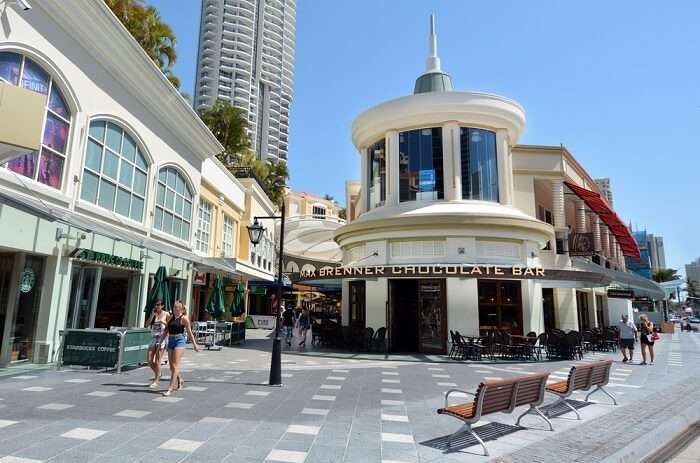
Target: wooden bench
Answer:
[[497, 396], [581, 378]]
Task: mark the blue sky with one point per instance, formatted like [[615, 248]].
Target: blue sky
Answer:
[[616, 82]]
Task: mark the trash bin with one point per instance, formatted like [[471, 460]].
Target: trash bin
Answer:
[[237, 333], [110, 349]]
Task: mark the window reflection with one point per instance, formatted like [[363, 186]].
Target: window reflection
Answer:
[[46, 166], [376, 156], [479, 165], [420, 165]]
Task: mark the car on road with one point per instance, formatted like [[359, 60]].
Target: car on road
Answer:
[[693, 320]]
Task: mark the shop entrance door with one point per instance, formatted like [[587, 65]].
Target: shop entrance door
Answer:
[[418, 316], [85, 287]]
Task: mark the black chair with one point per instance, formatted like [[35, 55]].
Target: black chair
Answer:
[[367, 339], [379, 341]]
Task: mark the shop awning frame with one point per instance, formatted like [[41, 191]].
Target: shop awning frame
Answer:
[[598, 205]]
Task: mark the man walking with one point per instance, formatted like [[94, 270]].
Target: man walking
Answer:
[[628, 336], [288, 324]]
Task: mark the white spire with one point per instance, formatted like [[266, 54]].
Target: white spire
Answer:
[[433, 62]]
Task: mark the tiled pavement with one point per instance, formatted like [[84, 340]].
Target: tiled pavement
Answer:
[[329, 410]]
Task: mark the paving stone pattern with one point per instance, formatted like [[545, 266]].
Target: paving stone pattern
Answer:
[[332, 408]]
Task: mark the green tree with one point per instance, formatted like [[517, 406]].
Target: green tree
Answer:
[[276, 180], [343, 213], [155, 36], [229, 126], [665, 274]]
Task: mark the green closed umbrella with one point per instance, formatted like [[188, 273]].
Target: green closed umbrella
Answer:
[[215, 306], [237, 305], [159, 290]]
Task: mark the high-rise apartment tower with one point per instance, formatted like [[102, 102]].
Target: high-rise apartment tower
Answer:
[[246, 57], [605, 190]]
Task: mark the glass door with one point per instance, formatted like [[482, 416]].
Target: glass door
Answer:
[[7, 262], [27, 310], [357, 304], [85, 288], [432, 316], [500, 306]]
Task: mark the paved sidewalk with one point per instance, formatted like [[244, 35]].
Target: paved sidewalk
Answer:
[[329, 410]]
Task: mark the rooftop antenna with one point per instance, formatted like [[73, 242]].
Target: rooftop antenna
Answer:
[[433, 62]]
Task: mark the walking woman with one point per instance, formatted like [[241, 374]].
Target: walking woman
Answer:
[[178, 323], [646, 339], [304, 322], [158, 322]]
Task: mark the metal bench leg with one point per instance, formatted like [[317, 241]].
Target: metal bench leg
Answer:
[[539, 412], [578, 417], [597, 388], [468, 428]]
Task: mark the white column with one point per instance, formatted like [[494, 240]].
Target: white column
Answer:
[[450, 162], [559, 214], [595, 225], [364, 192], [580, 216], [505, 172], [392, 164], [605, 241]]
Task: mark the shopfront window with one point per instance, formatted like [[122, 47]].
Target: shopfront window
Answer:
[[204, 226], [45, 166], [479, 164], [318, 212], [500, 306], [115, 173], [173, 213], [420, 165], [376, 177], [228, 230]]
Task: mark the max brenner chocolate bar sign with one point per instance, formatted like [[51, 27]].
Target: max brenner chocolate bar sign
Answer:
[[397, 271]]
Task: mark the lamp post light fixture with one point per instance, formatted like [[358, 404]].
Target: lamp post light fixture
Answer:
[[255, 232]]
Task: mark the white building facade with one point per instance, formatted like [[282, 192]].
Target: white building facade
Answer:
[[246, 57], [111, 193]]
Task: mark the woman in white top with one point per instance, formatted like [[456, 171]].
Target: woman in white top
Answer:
[[158, 322]]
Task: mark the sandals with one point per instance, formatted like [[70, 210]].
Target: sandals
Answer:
[[180, 384], [154, 384], [167, 393]]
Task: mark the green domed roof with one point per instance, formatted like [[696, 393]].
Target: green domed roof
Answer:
[[433, 82]]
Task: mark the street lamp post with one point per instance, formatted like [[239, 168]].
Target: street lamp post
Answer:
[[255, 232]]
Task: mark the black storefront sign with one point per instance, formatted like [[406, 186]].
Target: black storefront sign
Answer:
[[621, 293], [581, 244], [108, 259]]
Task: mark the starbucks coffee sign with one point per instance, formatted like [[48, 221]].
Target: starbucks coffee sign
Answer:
[[107, 259], [442, 270]]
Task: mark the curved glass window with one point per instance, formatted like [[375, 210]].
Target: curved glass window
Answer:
[[46, 165], [115, 172], [479, 165], [173, 213], [420, 165], [376, 175]]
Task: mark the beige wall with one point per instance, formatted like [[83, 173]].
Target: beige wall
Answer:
[[221, 208]]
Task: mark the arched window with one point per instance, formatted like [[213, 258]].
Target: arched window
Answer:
[[115, 171], [173, 213], [47, 165]]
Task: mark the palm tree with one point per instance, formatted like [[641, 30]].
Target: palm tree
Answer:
[[146, 26], [229, 126], [665, 274], [276, 181]]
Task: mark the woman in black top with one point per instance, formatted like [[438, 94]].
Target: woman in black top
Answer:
[[178, 324]]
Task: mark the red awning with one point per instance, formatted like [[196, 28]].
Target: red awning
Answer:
[[598, 205]]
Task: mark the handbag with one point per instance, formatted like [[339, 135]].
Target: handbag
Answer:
[[654, 336]]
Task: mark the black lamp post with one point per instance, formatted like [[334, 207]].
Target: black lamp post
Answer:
[[255, 232]]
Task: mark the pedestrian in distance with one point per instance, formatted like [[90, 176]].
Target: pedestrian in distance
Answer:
[[304, 324], [158, 322], [178, 325], [646, 340], [628, 336], [288, 324]]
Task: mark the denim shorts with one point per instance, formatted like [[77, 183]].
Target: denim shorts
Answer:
[[176, 341]]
